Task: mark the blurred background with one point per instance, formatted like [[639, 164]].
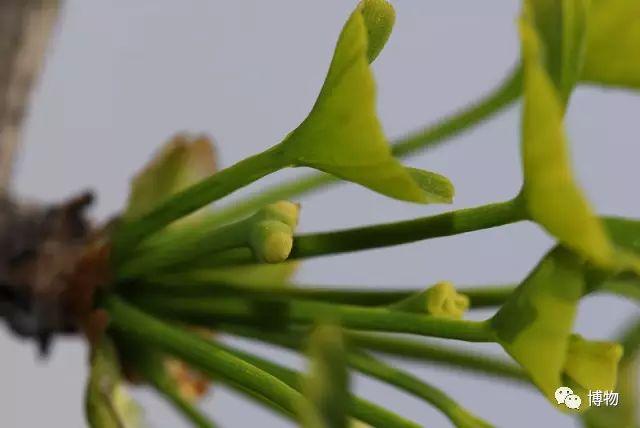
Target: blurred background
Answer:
[[122, 77]]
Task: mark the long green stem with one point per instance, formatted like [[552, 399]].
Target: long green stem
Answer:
[[428, 138], [414, 350], [403, 232], [382, 371], [360, 409], [156, 255], [401, 379], [209, 311], [210, 284], [191, 199], [131, 322]]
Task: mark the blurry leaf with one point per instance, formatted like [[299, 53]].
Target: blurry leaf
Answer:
[[592, 364], [342, 135], [179, 164], [327, 385], [613, 43], [627, 413], [561, 27], [551, 195], [537, 319], [108, 404]]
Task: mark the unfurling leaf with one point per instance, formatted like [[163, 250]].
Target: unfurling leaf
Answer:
[[180, 163], [613, 43], [342, 135], [552, 197], [108, 404], [327, 385], [440, 300]]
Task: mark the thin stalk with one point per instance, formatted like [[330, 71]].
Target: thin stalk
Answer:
[[156, 255], [209, 311], [209, 284], [405, 381], [430, 137], [359, 408], [384, 372], [403, 232], [418, 351], [218, 185], [202, 354]]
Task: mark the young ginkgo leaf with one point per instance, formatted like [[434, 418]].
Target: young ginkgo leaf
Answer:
[[552, 197], [108, 404], [613, 43], [342, 135], [327, 385], [561, 26], [538, 320]]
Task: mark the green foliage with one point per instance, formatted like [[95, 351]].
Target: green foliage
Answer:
[[214, 270], [342, 135], [613, 43], [551, 195], [538, 320]]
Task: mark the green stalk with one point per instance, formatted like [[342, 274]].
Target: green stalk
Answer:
[[206, 356], [403, 232], [360, 409], [209, 311], [418, 351], [428, 138], [156, 255], [377, 369], [218, 185], [210, 284], [405, 381]]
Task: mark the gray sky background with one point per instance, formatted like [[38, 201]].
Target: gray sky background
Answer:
[[124, 76]]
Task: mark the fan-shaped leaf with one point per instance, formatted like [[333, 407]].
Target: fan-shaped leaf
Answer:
[[552, 197], [342, 134]]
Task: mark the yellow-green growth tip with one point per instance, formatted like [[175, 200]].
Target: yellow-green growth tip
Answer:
[[283, 211], [379, 17], [444, 301], [271, 241]]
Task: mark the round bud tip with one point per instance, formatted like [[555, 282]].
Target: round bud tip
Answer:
[[271, 241], [444, 301]]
